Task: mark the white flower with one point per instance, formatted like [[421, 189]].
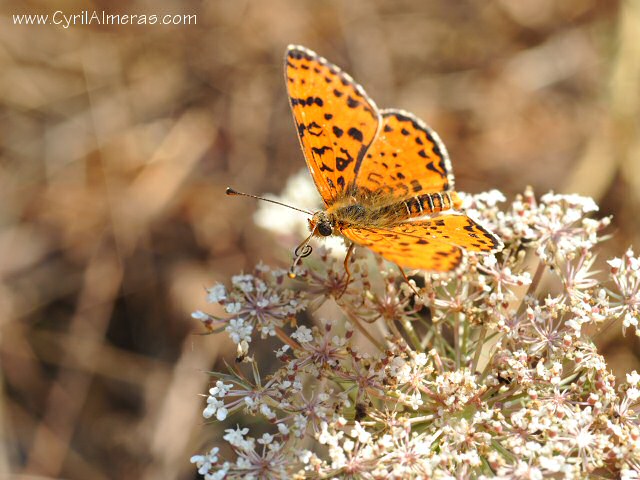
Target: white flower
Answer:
[[283, 429], [216, 294], [303, 334], [220, 390], [615, 263], [236, 438], [217, 407], [633, 394], [243, 282], [266, 411], [239, 331], [205, 462], [360, 433], [633, 378], [585, 204], [233, 307]]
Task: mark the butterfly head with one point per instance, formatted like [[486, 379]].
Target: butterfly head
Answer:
[[322, 224]]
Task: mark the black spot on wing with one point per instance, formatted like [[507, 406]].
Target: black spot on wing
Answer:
[[320, 151], [314, 129], [343, 162], [432, 167], [355, 134]]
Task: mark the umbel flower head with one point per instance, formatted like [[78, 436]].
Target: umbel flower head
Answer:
[[484, 373]]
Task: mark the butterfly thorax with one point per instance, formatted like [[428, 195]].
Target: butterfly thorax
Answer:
[[379, 209]]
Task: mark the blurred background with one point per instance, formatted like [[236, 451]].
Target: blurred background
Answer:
[[117, 142]]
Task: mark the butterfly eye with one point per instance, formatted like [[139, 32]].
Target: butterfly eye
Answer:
[[325, 229]]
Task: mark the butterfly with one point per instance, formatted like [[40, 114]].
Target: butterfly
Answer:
[[384, 176]]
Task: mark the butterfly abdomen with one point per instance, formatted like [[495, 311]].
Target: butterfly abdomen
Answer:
[[428, 203], [369, 211], [418, 206]]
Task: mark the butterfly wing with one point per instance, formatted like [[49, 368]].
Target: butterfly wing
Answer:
[[336, 120], [436, 244], [407, 158]]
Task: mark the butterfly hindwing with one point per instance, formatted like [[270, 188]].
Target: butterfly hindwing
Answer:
[[406, 250], [435, 244], [335, 118], [406, 159]]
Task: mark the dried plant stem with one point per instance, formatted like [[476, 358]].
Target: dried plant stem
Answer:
[[478, 348], [466, 330], [356, 323], [423, 419], [426, 342], [510, 394], [286, 339], [487, 367]]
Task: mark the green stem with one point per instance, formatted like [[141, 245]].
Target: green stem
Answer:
[[411, 333]]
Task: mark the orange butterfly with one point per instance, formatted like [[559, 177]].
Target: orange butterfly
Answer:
[[384, 176]]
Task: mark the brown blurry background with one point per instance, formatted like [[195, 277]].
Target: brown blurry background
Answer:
[[117, 143]]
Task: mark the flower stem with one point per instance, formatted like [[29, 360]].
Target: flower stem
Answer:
[[456, 338], [411, 333], [286, 339], [478, 348], [356, 323]]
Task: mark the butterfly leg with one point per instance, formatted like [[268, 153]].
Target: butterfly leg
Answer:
[[347, 259], [303, 250], [406, 279]]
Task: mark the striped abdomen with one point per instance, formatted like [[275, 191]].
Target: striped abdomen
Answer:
[[369, 215], [427, 203]]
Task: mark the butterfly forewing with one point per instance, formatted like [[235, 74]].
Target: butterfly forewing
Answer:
[[406, 159], [335, 118]]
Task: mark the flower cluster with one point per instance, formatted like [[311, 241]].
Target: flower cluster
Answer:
[[254, 301], [485, 373]]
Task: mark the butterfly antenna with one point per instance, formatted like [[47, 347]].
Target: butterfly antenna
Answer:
[[302, 251], [233, 193]]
